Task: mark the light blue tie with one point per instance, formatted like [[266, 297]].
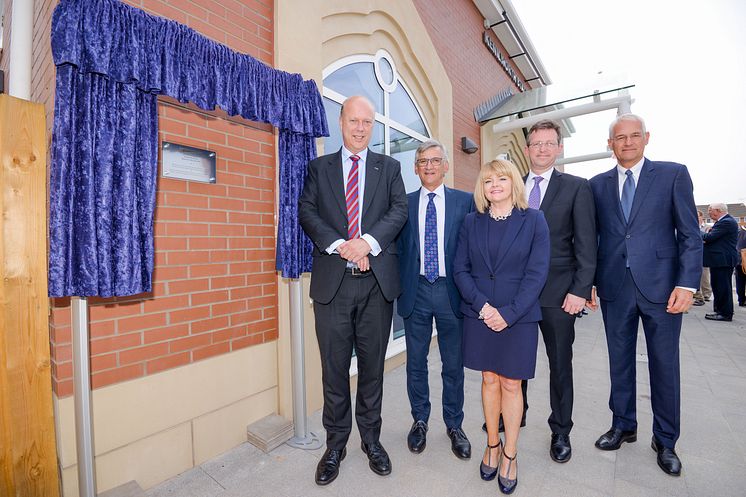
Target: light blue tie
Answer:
[[628, 194], [534, 198], [431, 241]]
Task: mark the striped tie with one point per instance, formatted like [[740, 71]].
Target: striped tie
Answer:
[[351, 194]]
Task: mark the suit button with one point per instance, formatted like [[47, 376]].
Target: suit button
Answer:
[[628, 237], [492, 276]]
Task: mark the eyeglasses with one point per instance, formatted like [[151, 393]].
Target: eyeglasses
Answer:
[[547, 144], [435, 161]]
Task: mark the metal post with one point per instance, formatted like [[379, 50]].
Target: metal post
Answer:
[[82, 397], [303, 439], [19, 70]]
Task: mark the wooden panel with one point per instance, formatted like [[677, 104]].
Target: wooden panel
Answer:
[[28, 458]]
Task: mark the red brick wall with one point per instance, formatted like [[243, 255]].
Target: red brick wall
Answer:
[[215, 288], [456, 31]]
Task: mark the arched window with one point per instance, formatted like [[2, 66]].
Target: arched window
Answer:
[[398, 131], [399, 128]]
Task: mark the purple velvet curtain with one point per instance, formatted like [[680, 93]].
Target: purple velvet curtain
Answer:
[[112, 61]]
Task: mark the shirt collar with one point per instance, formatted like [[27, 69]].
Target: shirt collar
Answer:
[[635, 169], [546, 174], [363, 154], [439, 192]]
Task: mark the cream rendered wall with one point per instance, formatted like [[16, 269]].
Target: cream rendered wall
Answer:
[[310, 35], [153, 428]]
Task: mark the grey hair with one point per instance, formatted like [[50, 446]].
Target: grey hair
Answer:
[[427, 145], [626, 117], [719, 207]]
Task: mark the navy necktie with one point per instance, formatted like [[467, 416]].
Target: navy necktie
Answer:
[[628, 194], [431, 241]]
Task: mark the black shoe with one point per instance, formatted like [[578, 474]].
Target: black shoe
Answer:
[[613, 439], [459, 443], [417, 437], [667, 459], [486, 471], [742, 304], [501, 426], [378, 459], [718, 317], [328, 468], [560, 450], [507, 486], [698, 302]]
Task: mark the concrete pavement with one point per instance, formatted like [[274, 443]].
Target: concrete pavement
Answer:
[[712, 445]]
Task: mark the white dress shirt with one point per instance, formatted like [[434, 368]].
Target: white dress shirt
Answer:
[[543, 185], [375, 247], [622, 175], [440, 210]]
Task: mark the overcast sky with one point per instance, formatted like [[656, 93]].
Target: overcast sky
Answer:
[[688, 62]]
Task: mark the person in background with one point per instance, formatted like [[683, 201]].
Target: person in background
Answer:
[[649, 266], [352, 207], [721, 256], [427, 248], [501, 265], [704, 292], [741, 268]]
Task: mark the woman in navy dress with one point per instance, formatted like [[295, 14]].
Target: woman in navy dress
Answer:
[[500, 268]]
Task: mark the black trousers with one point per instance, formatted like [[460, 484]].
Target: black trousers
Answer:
[[360, 317], [721, 279], [740, 285], [558, 330]]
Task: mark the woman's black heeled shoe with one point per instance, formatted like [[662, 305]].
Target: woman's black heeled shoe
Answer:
[[507, 486], [486, 471]]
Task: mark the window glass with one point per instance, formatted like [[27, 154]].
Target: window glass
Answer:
[[403, 148], [356, 79], [387, 72], [404, 111]]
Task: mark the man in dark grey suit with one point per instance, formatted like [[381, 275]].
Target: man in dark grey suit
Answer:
[[427, 248], [567, 203], [721, 256], [352, 207]]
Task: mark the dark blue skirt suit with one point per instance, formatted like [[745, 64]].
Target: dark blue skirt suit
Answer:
[[506, 264]]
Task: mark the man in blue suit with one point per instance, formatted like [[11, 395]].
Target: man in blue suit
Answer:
[[427, 248], [721, 257], [649, 265]]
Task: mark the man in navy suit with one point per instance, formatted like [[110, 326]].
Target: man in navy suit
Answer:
[[427, 248], [649, 265], [721, 257]]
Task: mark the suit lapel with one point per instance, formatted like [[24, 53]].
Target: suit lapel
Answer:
[[612, 186], [483, 221], [515, 221], [553, 189], [414, 218], [448, 215], [336, 180], [372, 176], [647, 177]]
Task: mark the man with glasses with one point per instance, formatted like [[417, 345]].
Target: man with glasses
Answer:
[[352, 207], [567, 204], [649, 265], [427, 248]]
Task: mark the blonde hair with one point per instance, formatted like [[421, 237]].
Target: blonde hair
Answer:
[[500, 167]]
